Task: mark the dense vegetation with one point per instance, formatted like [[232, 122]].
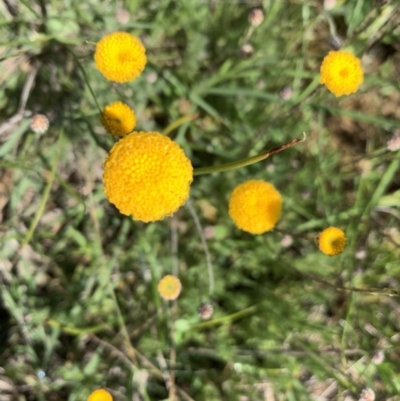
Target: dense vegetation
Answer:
[[79, 307]]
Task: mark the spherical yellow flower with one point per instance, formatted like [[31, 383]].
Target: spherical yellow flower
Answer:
[[169, 287], [332, 241], [341, 72], [118, 118], [255, 206], [147, 175], [120, 57], [100, 395]]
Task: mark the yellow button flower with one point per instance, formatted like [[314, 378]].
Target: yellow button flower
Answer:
[[341, 72], [100, 395], [118, 118], [169, 287], [120, 57], [332, 241], [255, 206], [147, 175]]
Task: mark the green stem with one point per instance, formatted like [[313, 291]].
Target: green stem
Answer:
[[75, 331], [179, 121], [42, 205], [248, 160], [225, 319], [85, 78]]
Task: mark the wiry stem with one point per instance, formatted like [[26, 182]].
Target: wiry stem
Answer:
[[248, 160]]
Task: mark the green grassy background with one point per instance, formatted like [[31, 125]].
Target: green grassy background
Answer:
[[79, 304]]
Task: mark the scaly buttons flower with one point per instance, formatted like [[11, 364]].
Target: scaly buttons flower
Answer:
[[255, 206], [169, 287], [332, 241], [118, 119], [341, 72], [100, 395], [120, 57], [147, 175]]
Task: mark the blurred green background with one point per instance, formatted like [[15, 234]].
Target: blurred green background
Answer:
[[79, 305]]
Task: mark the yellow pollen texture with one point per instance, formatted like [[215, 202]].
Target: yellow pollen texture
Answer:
[[120, 57], [332, 241], [147, 175], [255, 206], [100, 395], [341, 72], [118, 119]]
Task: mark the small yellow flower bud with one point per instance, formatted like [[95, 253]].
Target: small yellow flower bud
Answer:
[[332, 241], [120, 57], [341, 72], [169, 287], [100, 395], [255, 206]]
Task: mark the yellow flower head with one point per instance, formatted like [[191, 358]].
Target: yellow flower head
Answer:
[[100, 395], [169, 287], [120, 57], [332, 241], [255, 206], [118, 118], [147, 175], [341, 72]]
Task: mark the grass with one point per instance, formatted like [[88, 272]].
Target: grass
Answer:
[[79, 305]]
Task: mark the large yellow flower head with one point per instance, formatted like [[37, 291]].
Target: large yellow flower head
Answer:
[[341, 72], [169, 287], [147, 175], [118, 118], [255, 206], [332, 241], [120, 57], [100, 395]]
